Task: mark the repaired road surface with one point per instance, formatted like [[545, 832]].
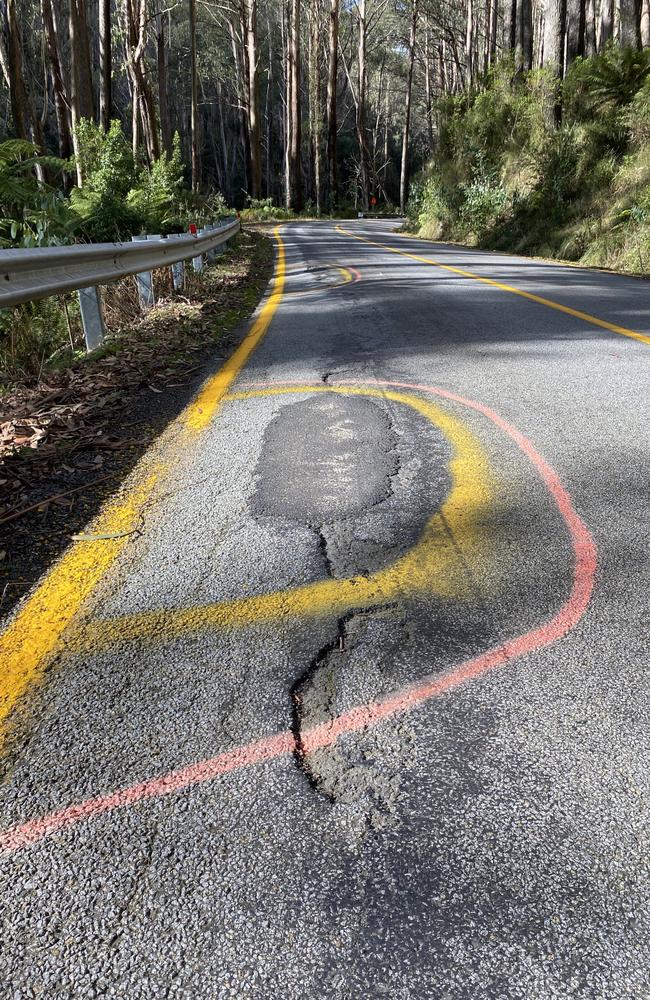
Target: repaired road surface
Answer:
[[346, 695]]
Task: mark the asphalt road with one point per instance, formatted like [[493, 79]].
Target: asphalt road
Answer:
[[357, 704]]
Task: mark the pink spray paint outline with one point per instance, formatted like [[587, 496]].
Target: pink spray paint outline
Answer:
[[362, 716]]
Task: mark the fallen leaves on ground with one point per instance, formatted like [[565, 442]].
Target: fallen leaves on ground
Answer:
[[65, 424]]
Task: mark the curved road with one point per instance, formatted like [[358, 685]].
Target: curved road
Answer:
[[346, 694]]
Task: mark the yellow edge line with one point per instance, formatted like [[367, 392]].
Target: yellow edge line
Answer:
[[35, 632], [577, 313], [203, 408], [33, 635]]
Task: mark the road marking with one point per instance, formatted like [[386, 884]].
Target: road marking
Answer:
[[202, 409], [272, 747], [33, 635], [349, 275], [453, 538], [577, 313]]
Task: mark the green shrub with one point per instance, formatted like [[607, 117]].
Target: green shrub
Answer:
[[32, 214], [29, 336], [507, 176]]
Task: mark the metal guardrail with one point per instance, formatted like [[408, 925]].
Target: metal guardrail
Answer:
[[30, 274]]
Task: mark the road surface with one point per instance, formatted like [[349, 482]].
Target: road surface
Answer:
[[346, 694]]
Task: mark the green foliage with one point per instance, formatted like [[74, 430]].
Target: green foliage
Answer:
[[120, 199], [263, 210], [506, 177], [607, 81], [31, 214], [29, 336]]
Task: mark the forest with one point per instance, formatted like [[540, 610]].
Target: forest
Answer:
[[515, 125], [136, 112]]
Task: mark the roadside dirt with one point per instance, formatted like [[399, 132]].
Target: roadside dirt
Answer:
[[67, 440]]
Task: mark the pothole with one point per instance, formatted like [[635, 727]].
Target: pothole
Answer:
[[361, 775]]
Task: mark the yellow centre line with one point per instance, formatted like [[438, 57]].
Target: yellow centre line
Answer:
[[577, 313], [34, 634], [453, 539]]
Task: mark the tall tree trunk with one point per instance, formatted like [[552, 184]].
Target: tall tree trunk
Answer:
[[606, 22], [269, 109], [105, 65], [17, 91], [512, 26], [58, 83], [590, 28], [294, 200], [627, 23], [576, 18], [553, 55], [315, 109], [163, 84], [469, 45], [253, 100], [527, 34], [493, 28], [644, 27], [27, 124], [80, 64], [428, 91], [361, 110], [332, 76], [194, 107], [403, 178], [519, 46], [143, 105]]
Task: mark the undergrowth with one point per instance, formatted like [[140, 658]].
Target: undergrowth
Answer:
[[507, 176]]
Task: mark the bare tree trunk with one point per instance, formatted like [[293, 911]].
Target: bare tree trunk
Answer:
[[269, 109], [143, 106], [514, 8], [163, 84], [576, 15], [16, 71], [253, 100], [590, 29], [469, 45], [105, 65], [225, 186], [606, 22], [295, 145], [527, 34], [332, 76], [519, 48], [80, 59], [627, 23], [361, 105], [493, 26], [194, 110], [428, 94], [58, 84], [315, 110], [553, 54], [644, 27], [403, 179], [240, 63]]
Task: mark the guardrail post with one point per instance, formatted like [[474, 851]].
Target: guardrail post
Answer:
[[197, 262], [92, 317], [178, 269], [144, 280], [211, 254]]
